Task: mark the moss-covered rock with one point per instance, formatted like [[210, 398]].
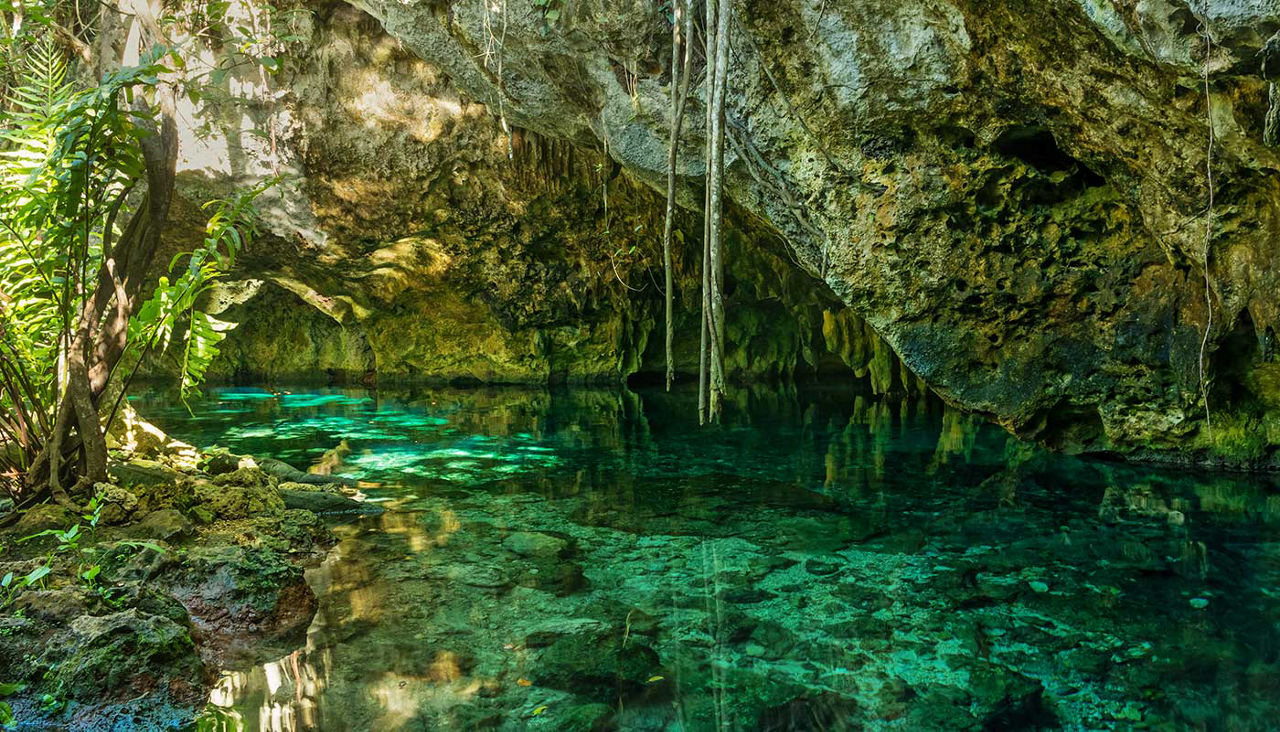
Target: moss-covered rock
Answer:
[[123, 655], [242, 493], [1019, 213], [245, 603], [118, 504], [45, 516]]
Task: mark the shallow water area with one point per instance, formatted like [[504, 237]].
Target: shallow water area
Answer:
[[587, 559]]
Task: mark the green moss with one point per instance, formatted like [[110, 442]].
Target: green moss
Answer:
[[115, 653], [1235, 438]]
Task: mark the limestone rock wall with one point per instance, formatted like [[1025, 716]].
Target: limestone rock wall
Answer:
[[419, 242], [1014, 196]]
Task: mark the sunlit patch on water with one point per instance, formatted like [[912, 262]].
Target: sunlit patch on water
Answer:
[[593, 559]]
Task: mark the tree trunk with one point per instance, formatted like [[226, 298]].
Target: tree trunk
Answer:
[[96, 349], [125, 267]]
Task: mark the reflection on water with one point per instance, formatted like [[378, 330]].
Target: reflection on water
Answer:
[[825, 560]]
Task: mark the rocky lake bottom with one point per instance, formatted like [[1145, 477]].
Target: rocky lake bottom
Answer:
[[592, 559]]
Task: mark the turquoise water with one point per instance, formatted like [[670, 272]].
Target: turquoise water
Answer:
[[595, 560]]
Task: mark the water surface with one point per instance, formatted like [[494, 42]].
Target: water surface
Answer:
[[825, 560]]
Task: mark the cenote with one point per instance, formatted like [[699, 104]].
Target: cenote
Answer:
[[823, 559]]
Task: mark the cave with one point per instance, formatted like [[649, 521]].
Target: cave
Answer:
[[336, 393]]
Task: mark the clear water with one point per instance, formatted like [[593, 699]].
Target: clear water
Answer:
[[594, 559]]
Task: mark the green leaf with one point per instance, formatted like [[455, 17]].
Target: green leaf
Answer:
[[36, 575], [143, 545]]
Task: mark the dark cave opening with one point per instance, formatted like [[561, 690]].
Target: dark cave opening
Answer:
[[1037, 147]]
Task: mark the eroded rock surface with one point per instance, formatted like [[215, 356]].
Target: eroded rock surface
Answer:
[[128, 628], [1013, 195]]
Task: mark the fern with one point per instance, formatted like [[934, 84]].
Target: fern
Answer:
[[68, 156], [31, 298], [230, 227]]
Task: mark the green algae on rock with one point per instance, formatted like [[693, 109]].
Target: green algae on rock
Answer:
[[200, 572]]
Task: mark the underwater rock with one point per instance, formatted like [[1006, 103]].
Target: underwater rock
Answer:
[[324, 502], [578, 718], [1006, 700], [821, 567], [536, 544], [824, 711], [596, 664], [558, 577]]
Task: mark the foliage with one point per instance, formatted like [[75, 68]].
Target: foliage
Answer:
[[230, 227], [86, 175], [7, 720], [76, 542], [69, 161], [550, 10]]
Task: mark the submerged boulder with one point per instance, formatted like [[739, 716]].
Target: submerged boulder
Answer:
[[323, 499], [536, 544], [597, 663]]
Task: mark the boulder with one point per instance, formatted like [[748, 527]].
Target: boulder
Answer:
[[595, 663], [123, 655], [117, 503], [536, 544], [44, 517], [167, 524], [242, 493], [286, 472], [324, 502]]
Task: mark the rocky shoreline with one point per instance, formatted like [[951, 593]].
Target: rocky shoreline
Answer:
[[174, 574]]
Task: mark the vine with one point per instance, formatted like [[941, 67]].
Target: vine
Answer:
[[1207, 34], [681, 39]]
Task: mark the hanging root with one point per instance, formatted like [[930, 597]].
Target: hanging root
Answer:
[[1208, 223], [679, 95]]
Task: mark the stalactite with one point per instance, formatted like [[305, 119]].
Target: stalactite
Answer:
[[545, 162]]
